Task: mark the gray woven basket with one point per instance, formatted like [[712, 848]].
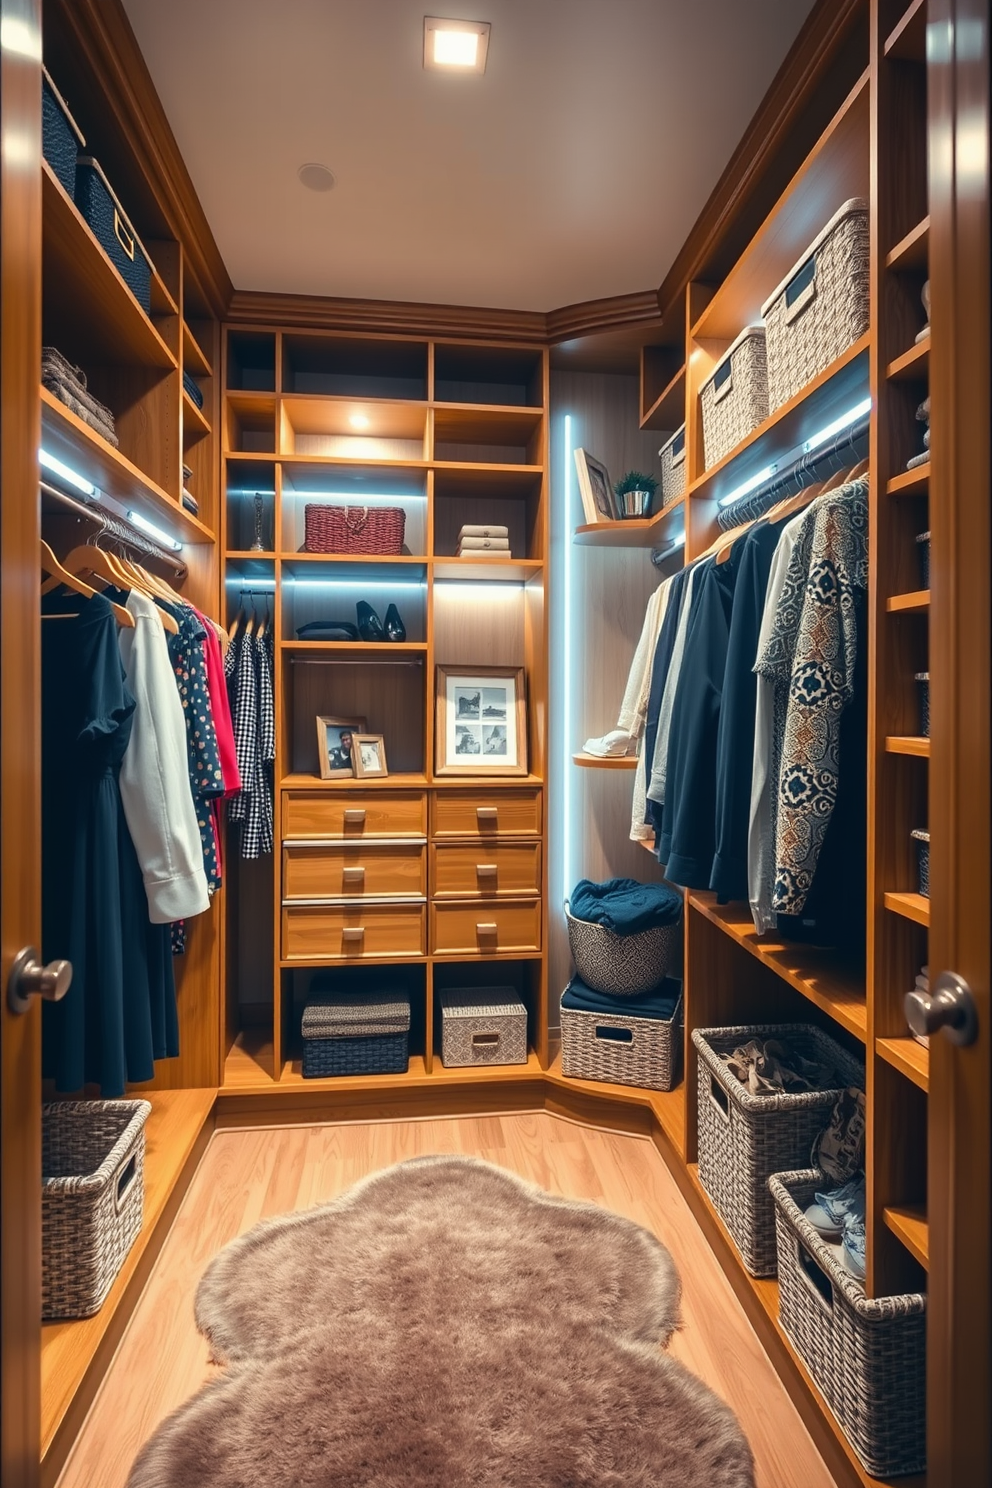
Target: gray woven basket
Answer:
[[672, 455], [621, 965], [821, 306], [92, 1199], [867, 1355], [744, 1138], [622, 1050], [482, 1025], [734, 398]]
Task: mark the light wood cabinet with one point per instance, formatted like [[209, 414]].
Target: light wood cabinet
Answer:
[[484, 812], [354, 871], [322, 932], [355, 815], [485, 928], [486, 869]]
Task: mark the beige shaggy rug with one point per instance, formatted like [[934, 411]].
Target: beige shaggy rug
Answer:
[[445, 1324]]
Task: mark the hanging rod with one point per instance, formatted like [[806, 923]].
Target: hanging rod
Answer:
[[116, 527], [802, 463]]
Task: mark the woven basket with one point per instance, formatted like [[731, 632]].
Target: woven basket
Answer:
[[922, 680], [622, 1050], [922, 839], [60, 135], [482, 1025], [112, 229], [867, 1355], [621, 965], [822, 305], [734, 397], [673, 467], [377, 1054], [356, 1034], [354, 529], [92, 1199], [744, 1138], [923, 548]]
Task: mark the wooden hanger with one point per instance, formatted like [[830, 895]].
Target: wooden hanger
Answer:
[[88, 558], [792, 505], [62, 576]]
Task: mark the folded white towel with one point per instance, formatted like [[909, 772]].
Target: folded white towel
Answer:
[[484, 544], [469, 531]]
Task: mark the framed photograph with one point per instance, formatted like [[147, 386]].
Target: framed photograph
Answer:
[[368, 753], [481, 725], [595, 488], [334, 740]]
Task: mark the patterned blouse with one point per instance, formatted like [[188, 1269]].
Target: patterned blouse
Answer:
[[206, 777]]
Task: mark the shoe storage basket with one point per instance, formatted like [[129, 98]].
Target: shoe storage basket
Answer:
[[622, 1050], [353, 529], [92, 1199], [672, 457], [734, 397], [867, 1355], [745, 1138], [822, 305], [621, 965], [356, 1036], [482, 1025]]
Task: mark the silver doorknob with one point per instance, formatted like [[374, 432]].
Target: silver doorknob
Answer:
[[28, 978], [949, 1008]]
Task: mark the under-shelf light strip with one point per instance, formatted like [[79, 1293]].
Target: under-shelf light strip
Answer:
[[566, 659], [829, 431], [158, 533], [66, 473]]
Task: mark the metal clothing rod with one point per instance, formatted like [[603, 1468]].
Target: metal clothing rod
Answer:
[[117, 528], [804, 465]]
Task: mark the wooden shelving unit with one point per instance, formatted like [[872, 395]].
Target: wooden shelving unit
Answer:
[[911, 906]]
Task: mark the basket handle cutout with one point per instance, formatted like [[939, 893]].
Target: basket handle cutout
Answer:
[[723, 380], [125, 1178], [123, 236], [800, 290], [484, 1040], [815, 1279], [615, 1035], [678, 448], [356, 518], [720, 1098]]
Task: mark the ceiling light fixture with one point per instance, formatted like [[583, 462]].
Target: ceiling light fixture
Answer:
[[316, 177], [462, 46]]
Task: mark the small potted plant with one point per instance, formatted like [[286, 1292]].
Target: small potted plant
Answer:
[[635, 493]]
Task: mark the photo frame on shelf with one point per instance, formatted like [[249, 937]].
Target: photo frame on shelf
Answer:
[[481, 723], [368, 755], [595, 488], [334, 745]]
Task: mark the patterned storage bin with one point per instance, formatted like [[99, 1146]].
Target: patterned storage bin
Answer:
[[744, 1138], [356, 1034], [923, 548], [622, 1050], [60, 134], [482, 1025], [92, 1199], [867, 1355], [112, 230], [354, 529], [621, 965], [821, 307], [922, 680], [734, 397], [672, 456], [922, 840]]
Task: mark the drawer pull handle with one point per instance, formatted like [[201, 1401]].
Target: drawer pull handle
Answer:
[[487, 813], [486, 870], [487, 929], [353, 932], [482, 1039], [354, 816], [354, 875]]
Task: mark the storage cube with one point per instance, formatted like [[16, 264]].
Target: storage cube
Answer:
[[112, 230], [356, 1034], [672, 455], [60, 135], [734, 398], [622, 1049], [482, 1025]]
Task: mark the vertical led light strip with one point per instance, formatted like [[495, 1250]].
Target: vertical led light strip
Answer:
[[566, 655]]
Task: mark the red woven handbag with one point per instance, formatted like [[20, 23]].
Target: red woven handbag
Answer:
[[354, 529]]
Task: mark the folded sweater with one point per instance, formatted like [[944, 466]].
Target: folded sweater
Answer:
[[659, 1003], [625, 906]]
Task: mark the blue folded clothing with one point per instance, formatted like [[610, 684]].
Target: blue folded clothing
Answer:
[[660, 1002], [625, 906]]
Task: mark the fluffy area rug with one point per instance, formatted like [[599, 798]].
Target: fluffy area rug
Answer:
[[444, 1323]]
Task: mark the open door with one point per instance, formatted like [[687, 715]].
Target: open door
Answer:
[[20, 752]]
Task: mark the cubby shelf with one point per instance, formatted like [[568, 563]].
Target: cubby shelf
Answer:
[[912, 744], [911, 252], [913, 907], [916, 603], [915, 482], [595, 762], [486, 570], [194, 358], [195, 425], [908, 1056], [908, 39], [913, 365], [668, 409], [909, 1225]]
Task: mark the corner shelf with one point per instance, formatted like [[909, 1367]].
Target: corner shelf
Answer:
[[910, 1226], [913, 907], [633, 532], [594, 762]]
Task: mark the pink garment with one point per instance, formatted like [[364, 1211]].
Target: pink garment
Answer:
[[221, 709]]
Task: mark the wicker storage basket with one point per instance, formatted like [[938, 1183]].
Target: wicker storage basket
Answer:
[[622, 1050], [621, 965], [821, 307], [734, 397], [673, 467], [357, 1035], [92, 1199], [354, 529], [482, 1025], [867, 1355], [112, 230], [61, 138], [744, 1138]]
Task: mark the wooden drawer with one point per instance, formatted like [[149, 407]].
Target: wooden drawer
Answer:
[[340, 932], [484, 869], [353, 870], [358, 814], [487, 813], [486, 927]]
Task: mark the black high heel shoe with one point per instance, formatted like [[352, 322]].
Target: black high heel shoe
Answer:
[[369, 624], [395, 629]]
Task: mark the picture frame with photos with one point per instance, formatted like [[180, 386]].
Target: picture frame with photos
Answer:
[[481, 721], [595, 489], [334, 753], [368, 753]]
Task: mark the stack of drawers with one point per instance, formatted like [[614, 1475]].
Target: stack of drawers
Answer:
[[355, 873]]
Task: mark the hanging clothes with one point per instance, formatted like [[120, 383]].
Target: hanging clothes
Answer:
[[656, 782], [659, 677], [206, 778], [249, 668]]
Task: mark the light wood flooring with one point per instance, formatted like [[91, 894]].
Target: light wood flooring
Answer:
[[249, 1174]]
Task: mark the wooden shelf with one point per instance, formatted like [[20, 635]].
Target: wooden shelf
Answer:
[[912, 251], [372, 649], [195, 425], [487, 570], [908, 39], [910, 1226], [85, 298], [912, 366], [667, 1105], [77, 445], [476, 423], [911, 906], [398, 781], [914, 744], [594, 762], [387, 419], [916, 603], [194, 358], [634, 532], [835, 988], [915, 482], [68, 1349], [481, 478], [668, 409], [908, 1056]]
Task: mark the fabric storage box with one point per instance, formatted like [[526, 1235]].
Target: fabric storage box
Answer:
[[354, 529], [672, 456], [482, 1025], [734, 397], [867, 1355], [622, 1049], [112, 229], [922, 840], [60, 135], [356, 1034], [744, 1138], [821, 307], [922, 680], [621, 965], [92, 1199]]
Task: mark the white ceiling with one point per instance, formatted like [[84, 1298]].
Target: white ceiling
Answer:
[[572, 170]]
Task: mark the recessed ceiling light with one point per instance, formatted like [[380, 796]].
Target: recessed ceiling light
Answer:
[[459, 45], [316, 177], [359, 420]]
